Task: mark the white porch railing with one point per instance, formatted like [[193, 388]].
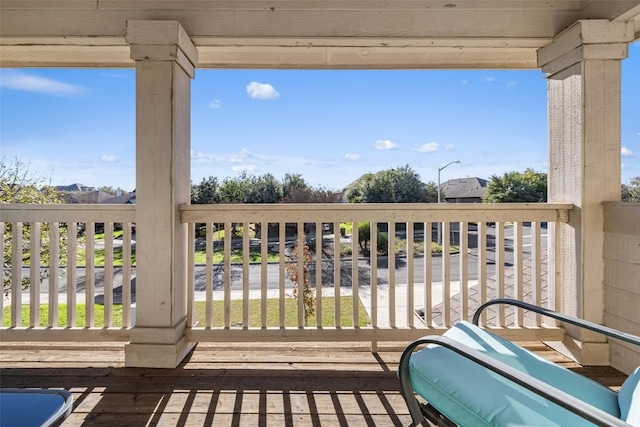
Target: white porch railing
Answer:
[[399, 301], [397, 297], [77, 277]]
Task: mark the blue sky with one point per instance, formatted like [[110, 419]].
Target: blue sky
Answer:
[[78, 125]]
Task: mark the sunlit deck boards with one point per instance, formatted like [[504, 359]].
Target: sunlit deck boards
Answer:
[[230, 385]]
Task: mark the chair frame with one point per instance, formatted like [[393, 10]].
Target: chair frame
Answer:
[[420, 411], [55, 419]]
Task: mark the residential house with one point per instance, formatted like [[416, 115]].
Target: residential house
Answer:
[[464, 190]]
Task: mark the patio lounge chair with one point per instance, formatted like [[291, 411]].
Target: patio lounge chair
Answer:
[[34, 407], [471, 377]]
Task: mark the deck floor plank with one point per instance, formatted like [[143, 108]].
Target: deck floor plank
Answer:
[[231, 385]]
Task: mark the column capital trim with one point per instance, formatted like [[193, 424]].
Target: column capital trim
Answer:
[[153, 41], [587, 39]]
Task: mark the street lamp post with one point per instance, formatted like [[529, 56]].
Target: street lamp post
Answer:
[[439, 170]]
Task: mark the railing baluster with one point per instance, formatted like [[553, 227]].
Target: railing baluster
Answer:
[[281, 250], [127, 320], [54, 266], [227, 274], [555, 297], [246, 248], [374, 279], [301, 276], [319, 242], [500, 283], [264, 240], [355, 252], [89, 273], [410, 274], [191, 271], [482, 268], [208, 275], [446, 273], [336, 272], [108, 274], [2, 299], [428, 276], [464, 270], [392, 274], [16, 274], [519, 271], [72, 246], [536, 268], [34, 276]]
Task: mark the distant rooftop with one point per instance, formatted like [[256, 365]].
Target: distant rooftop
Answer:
[[464, 189], [74, 187]]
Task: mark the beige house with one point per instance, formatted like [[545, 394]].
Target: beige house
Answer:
[[593, 240]]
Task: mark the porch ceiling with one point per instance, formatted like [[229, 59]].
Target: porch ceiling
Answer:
[[302, 33]]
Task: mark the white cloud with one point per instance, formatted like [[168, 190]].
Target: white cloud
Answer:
[[490, 79], [108, 158], [247, 168], [17, 80], [510, 84], [385, 144], [216, 103], [352, 156], [258, 90], [450, 147], [427, 147], [625, 152]]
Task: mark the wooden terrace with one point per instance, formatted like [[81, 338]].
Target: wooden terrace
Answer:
[[296, 384]]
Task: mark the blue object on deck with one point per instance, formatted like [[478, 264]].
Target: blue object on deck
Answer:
[[34, 407], [471, 377]]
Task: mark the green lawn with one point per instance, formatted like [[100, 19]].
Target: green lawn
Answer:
[[62, 315], [291, 313], [273, 316], [99, 257]]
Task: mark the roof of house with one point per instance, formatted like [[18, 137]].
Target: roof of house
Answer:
[[85, 196], [464, 188], [74, 187], [123, 199]]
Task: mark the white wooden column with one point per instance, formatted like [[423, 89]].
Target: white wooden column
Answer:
[[165, 61], [583, 67]]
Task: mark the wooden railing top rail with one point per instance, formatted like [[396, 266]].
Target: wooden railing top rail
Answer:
[[418, 212], [67, 213], [383, 212]]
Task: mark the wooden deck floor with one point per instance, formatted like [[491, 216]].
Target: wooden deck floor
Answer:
[[231, 385]]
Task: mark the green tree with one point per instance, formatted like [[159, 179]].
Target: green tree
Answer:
[[517, 187], [631, 191], [207, 192], [364, 239], [19, 185], [432, 192], [293, 183], [234, 190], [397, 185], [263, 189]]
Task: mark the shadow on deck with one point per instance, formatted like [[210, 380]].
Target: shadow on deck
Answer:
[[230, 385]]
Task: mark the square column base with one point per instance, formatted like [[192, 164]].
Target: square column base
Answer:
[[145, 355], [584, 353]]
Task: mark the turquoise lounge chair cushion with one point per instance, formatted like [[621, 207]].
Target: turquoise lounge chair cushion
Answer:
[[471, 395], [629, 399]]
